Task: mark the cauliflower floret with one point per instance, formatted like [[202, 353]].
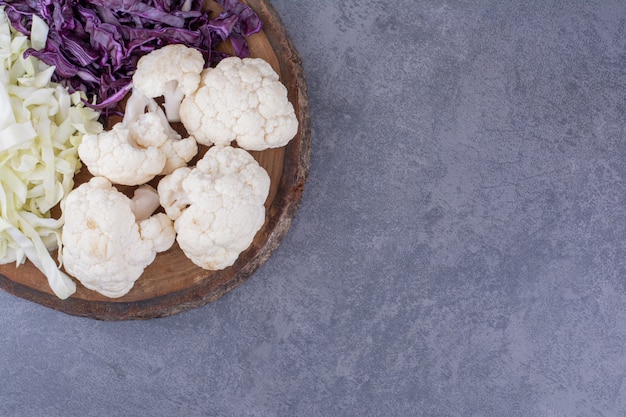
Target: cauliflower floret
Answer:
[[217, 206], [159, 230], [240, 100], [173, 72], [172, 196], [107, 240], [116, 154], [178, 152], [140, 147]]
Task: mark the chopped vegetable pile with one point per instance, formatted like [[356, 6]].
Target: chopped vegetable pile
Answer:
[[41, 125], [66, 63], [95, 44]]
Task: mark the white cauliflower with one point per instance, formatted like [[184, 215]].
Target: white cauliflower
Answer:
[[139, 148], [217, 206], [108, 239], [116, 154], [240, 100], [173, 72]]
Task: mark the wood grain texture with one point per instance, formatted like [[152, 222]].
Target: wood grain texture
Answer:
[[172, 283]]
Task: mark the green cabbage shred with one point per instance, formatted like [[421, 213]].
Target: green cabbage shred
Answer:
[[41, 126]]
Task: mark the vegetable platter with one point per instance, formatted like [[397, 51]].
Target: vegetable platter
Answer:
[[172, 283]]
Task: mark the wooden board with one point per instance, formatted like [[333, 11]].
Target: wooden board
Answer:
[[172, 283]]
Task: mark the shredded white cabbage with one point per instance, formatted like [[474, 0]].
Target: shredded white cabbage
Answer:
[[41, 126]]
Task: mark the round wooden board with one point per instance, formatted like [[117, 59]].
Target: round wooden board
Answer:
[[172, 284]]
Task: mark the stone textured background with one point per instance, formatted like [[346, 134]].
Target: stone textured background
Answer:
[[460, 249]]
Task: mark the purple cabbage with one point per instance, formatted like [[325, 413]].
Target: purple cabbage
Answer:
[[95, 44]]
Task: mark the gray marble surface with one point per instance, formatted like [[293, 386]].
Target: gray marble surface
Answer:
[[460, 248]]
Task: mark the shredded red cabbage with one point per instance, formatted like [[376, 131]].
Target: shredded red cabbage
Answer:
[[95, 44]]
